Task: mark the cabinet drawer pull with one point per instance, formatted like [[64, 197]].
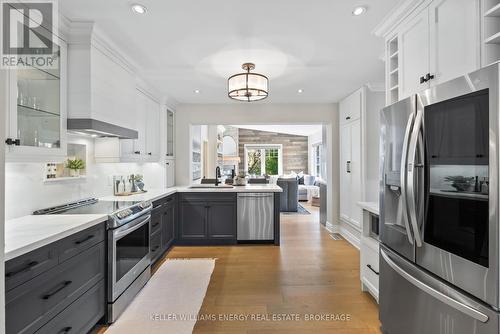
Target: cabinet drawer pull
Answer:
[[156, 224], [22, 270], [156, 208], [65, 330], [79, 242], [169, 200], [155, 249], [149, 153], [13, 142], [348, 118], [51, 294], [137, 152], [370, 267]]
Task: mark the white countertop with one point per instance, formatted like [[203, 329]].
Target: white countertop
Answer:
[[370, 207], [154, 194], [249, 188], [25, 234]]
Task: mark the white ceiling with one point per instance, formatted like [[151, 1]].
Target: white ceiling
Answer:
[[299, 130], [183, 45]]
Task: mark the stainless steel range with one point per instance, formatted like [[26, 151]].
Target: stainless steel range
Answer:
[[128, 246]]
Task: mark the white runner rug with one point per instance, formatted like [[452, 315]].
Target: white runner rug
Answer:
[[171, 300]]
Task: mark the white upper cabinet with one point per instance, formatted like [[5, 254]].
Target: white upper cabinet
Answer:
[[36, 111], [414, 54], [436, 41], [350, 107], [454, 36], [170, 135], [153, 130], [146, 118]]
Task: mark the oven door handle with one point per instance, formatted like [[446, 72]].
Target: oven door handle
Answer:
[[452, 302], [131, 228], [404, 161]]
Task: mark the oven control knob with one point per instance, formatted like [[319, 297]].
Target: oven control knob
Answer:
[[124, 213], [145, 204]]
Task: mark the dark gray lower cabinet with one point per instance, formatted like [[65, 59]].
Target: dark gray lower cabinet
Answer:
[[168, 223], [193, 219], [222, 220], [44, 299], [207, 218], [80, 316], [163, 221]]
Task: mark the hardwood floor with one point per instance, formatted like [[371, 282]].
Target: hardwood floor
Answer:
[[308, 274]]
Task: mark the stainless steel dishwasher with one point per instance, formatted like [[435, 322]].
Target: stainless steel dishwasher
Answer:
[[255, 216]]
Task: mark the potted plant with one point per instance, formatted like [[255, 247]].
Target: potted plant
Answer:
[[75, 166]]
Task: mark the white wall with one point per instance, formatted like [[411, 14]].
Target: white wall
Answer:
[[27, 191], [245, 113]]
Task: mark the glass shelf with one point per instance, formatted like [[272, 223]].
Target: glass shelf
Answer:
[[35, 73], [32, 112]]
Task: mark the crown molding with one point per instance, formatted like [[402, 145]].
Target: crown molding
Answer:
[[376, 86], [396, 16]]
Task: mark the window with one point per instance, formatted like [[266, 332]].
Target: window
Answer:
[[317, 159], [263, 159]]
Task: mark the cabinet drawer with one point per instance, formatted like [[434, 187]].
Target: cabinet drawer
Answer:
[[32, 304], [27, 266], [208, 197], [156, 222], [155, 246], [370, 265], [81, 241], [80, 316], [170, 200]]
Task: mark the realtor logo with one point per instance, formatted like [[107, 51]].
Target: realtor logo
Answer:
[[27, 34]]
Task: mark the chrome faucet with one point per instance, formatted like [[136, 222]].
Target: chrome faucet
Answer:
[[217, 176]]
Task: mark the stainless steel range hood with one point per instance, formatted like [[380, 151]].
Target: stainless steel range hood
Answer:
[[97, 128]]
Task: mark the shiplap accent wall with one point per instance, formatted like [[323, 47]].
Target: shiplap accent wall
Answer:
[[295, 148]]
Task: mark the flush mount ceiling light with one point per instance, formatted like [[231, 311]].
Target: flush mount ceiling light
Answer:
[[248, 86], [358, 11], [139, 9], [197, 91], [300, 91]]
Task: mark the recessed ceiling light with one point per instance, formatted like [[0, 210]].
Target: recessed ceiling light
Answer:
[[139, 9], [300, 91], [197, 91], [358, 11]]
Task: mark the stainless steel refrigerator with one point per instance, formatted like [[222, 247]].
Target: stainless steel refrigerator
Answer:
[[439, 221]]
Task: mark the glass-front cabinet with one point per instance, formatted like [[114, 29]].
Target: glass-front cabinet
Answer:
[[170, 134], [36, 126]]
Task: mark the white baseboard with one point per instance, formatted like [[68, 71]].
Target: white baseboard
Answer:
[[332, 228], [351, 236]]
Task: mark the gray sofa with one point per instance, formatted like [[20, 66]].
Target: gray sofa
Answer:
[[289, 199], [308, 182]]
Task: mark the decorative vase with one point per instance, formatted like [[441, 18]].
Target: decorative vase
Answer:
[[74, 172], [140, 185]]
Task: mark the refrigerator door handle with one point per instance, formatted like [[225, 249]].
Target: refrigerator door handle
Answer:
[[410, 175], [459, 306], [404, 161]]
